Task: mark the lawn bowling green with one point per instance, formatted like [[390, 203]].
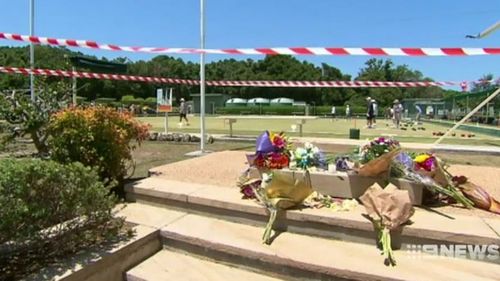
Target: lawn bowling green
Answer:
[[320, 127]]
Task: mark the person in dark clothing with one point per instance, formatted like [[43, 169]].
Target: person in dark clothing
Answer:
[[370, 113]]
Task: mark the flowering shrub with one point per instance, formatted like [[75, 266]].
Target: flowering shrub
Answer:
[[98, 137]]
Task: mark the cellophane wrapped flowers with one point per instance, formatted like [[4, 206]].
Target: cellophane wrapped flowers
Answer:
[[272, 152]]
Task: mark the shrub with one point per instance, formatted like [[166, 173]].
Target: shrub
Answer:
[[105, 101], [150, 102], [48, 209], [127, 98], [98, 137]]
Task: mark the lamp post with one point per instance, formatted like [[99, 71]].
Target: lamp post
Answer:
[[32, 49], [202, 76]]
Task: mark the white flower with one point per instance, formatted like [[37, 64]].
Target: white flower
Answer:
[[349, 204], [299, 152], [308, 145], [266, 177], [315, 150]]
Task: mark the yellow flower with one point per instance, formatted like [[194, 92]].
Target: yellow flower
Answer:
[[422, 158]]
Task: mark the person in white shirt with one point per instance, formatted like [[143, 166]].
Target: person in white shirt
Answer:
[[398, 110], [375, 112], [347, 112], [333, 113], [419, 113]]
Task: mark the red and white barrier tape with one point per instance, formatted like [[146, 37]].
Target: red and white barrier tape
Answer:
[[222, 83], [101, 76], [161, 80], [259, 51]]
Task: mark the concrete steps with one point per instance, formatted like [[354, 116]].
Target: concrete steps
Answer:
[[167, 265], [226, 203], [215, 247], [210, 233]]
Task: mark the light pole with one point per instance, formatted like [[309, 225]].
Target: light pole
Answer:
[[202, 76], [32, 49]]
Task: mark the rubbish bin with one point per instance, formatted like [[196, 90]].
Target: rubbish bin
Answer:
[[354, 134]]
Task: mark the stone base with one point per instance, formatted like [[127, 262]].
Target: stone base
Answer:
[[337, 184]]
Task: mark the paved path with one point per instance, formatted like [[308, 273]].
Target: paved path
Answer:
[[350, 142]]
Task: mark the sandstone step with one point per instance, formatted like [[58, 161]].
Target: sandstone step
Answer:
[[427, 227], [167, 265], [147, 215], [306, 257]]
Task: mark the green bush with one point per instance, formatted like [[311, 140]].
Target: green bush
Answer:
[[98, 137], [104, 101], [48, 209], [127, 98]]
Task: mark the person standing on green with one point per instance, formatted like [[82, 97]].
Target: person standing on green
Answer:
[[398, 109], [183, 110], [370, 113], [347, 112]]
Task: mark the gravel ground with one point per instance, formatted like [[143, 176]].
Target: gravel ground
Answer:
[[223, 169]]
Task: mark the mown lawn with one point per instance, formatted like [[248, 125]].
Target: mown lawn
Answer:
[[320, 128]]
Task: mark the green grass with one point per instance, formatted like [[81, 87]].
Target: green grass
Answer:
[[320, 128]]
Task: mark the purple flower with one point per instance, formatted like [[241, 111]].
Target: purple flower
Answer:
[[405, 159], [248, 192]]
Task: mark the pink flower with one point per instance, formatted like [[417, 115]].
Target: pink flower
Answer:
[[429, 164], [248, 192], [278, 142]]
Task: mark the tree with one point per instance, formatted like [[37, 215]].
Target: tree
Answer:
[[32, 118], [485, 83], [380, 70]]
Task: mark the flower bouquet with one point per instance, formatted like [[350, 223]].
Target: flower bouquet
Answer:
[[477, 194], [248, 185], [388, 209], [272, 152], [317, 200], [308, 157], [281, 191], [428, 170], [376, 156]]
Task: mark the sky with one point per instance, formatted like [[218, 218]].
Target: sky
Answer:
[[273, 23]]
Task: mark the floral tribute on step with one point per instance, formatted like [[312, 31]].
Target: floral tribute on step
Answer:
[[281, 177]]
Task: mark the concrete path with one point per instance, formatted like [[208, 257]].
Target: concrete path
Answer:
[[346, 143]]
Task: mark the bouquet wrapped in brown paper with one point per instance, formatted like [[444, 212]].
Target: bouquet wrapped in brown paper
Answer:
[[378, 166], [388, 209], [281, 191], [480, 197], [376, 156]]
